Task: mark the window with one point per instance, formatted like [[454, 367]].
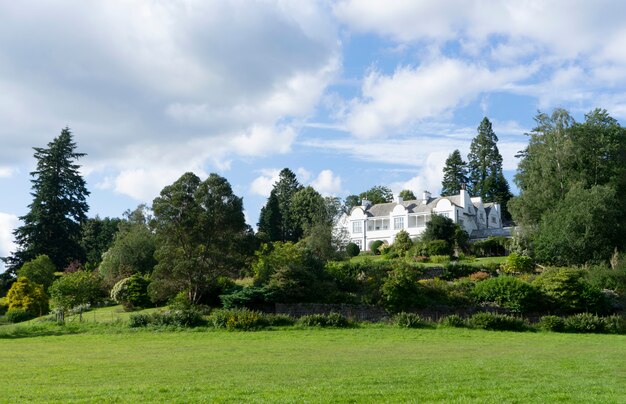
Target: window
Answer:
[[377, 224], [417, 221], [357, 227], [358, 242], [398, 223], [482, 217], [493, 219]]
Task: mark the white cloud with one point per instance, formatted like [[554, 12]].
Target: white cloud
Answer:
[[391, 103], [263, 184], [260, 140], [6, 172], [303, 174], [8, 223], [327, 183], [429, 177]]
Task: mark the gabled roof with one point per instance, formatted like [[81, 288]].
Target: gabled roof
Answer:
[[412, 206]]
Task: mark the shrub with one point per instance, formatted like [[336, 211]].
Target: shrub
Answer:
[[615, 324], [132, 292], [140, 320], [551, 323], [17, 315], [479, 276], [28, 296], [375, 246], [508, 292], [438, 247], [240, 319], [516, 263], [408, 320], [453, 320], [492, 246], [279, 320], [400, 291], [456, 270], [402, 243], [352, 250], [439, 259], [251, 297], [585, 323], [4, 305], [569, 291], [602, 277], [324, 320], [495, 321]]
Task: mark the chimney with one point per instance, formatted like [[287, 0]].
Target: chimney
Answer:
[[399, 200], [425, 197], [365, 203], [465, 200]]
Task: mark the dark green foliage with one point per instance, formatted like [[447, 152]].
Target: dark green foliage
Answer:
[[454, 174], [485, 168], [569, 291], [200, 229], [402, 243], [270, 219], [438, 247], [52, 226], [324, 320], [182, 318], [496, 322], [351, 202], [585, 323], [439, 228], [615, 324], [603, 277], [409, 320], [508, 292], [308, 208], [572, 181], [375, 246], [4, 306], [97, 236], [400, 291], [453, 320], [377, 194], [251, 297], [491, 247], [17, 315], [352, 250], [575, 231], [132, 250], [40, 270], [516, 263], [454, 270], [551, 323], [277, 219], [132, 292], [407, 195]]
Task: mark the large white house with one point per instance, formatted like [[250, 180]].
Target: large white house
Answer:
[[367, 223]]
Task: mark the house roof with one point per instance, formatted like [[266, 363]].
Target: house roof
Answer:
[[413, 206]]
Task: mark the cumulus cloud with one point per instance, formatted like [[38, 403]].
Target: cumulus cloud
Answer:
[[263, 184], [391, 102], [237, 78], [327, 183], [429, 178], [8, 223], [6, 172]]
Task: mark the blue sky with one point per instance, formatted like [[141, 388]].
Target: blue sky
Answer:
[[348, 94]]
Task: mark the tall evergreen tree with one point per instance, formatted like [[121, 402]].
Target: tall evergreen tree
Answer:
[[52, 227], [486, 178], [284, 189], [454, 174], [270, 219]]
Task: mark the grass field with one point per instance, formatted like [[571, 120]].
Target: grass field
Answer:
[[377, 363]]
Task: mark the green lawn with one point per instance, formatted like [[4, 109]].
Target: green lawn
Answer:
[[377, 363]]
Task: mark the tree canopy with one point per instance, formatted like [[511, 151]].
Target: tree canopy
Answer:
[[200, 228], [277, 220], [52, 226], [486, 178], [377, 194], [454, 174], [407, 195]]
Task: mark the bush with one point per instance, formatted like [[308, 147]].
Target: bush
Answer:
[[401, 291], [492, 246], [4, 305], [132, 292], [615, 324], [456, 270], [375, 246], [408, 320], [324, 320], [453, 320], [438, 247], [516, 263], [28, 296], [551, 323], [352, 250], [585, 323], [240, 319], [140, 320], [17, 315], [602, 277], [508, 292], [190, 317], [439, 259], [495, 321], [279, 320], [402, 243], [569, 291], [252, 297]]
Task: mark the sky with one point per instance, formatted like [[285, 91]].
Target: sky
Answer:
[[348, 94]]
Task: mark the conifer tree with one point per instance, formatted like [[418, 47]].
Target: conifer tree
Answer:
[[52, 227], [278, 209], [454, 174], [485, 168]]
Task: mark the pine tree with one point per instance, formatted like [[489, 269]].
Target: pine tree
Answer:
[[454, 174], [270, 219], [486, 178], [52, 227], [278, 210]]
